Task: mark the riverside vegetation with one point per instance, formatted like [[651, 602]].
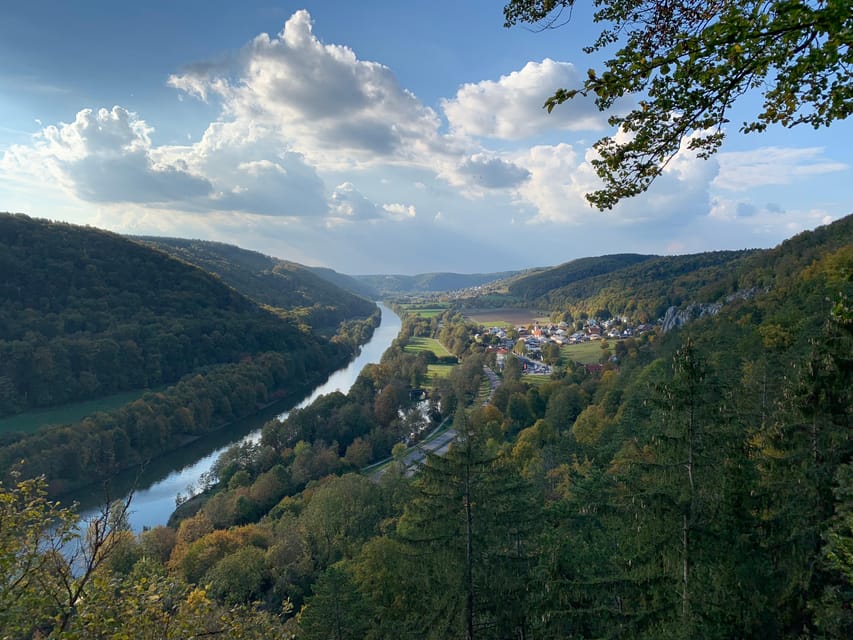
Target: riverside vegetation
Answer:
[[85, 313], [699, 485]]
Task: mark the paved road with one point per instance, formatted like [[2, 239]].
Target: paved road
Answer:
[[438, 445], [415, 456], [494, 382], [441, 443]]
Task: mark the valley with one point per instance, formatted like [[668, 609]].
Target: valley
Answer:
[[559, 435], [426, 321]]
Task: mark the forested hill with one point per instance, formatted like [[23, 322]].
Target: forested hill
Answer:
[[642, 287], [346, 282], [430, 282], [271, 281], [85, 313], [692, 484], [539, 283]]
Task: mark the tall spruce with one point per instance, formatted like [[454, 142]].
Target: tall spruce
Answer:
[[472, 527], [808, 445], [670, 482]]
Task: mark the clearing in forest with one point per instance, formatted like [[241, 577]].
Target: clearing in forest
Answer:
[[416, 345], [505, 317], [584, 352]]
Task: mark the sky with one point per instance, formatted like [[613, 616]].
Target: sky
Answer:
[[369, 137]]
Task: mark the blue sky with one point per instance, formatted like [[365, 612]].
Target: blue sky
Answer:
[[370, 137]]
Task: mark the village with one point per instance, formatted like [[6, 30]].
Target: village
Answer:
[[532, 343]]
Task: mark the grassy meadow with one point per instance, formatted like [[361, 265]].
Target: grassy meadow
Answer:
[[33, 420], [585, 352], [416, 345], [424, 312], [434, 371], [536, 379], [437, 371]]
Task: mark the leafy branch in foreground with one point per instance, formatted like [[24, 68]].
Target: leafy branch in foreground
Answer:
[[688, 61], [57, 580]]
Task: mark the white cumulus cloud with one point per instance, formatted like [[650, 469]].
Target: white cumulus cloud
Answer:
[[511, 108], [336, 109], [106, 156], [743, 170], [348, 204]]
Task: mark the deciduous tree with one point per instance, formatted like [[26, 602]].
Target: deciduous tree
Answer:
[[689, 61]]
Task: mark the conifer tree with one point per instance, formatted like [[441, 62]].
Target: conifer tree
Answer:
[[471, 526], [804, 452]]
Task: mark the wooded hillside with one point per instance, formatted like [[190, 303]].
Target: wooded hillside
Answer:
[[299, 291], [696, 485], [390, 285], [85, 313]]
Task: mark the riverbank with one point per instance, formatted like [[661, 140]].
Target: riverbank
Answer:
[[155, 489]]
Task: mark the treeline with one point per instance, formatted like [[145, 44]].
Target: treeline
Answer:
[[103, 444], [334, 435], [644, 291], [700, 488], [85, 313], [644, 287], [535, 285], [306, 296]]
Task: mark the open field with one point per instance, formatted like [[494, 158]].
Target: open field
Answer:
[[504, 317], [32, 420], [416, 345], [425, 312], [536, 379], [585, 352], [437, 371]]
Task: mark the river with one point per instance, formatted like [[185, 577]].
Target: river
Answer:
[[178, 472]]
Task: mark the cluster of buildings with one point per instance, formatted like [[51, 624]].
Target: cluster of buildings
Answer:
[[537, 336]]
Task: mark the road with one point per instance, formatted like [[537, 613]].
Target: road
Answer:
[[416, 455], [494, 383], [437, 445]]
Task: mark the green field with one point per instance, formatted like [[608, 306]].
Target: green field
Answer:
[[32, 420], [416, 345], [585, 352], [536, 379], [424, 312], [437, 371]]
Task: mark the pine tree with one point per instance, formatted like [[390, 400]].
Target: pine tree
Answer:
[[671, 490], [804, 451], [471, 528]]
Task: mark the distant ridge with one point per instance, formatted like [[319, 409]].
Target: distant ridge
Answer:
[[538, 284], [271, 281], [349, 283], [430, 282], [85, 313]]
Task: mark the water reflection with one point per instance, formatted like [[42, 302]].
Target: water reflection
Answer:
[[179, 472]]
